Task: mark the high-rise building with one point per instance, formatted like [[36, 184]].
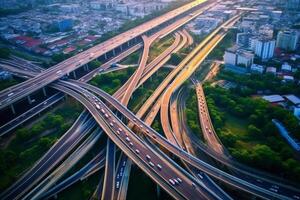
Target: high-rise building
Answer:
[[264, 48], [243, 39], [287, 40], [293, 5]]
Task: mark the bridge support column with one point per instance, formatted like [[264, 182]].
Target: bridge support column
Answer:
[[12, 109], [121, 47], [74, 74], [105, 56], [114, 52], [128, 44], [86, 67], [135, 40], [157, 191], [29, 99], [44, 91]]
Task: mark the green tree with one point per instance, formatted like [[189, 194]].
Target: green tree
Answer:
[[4, 53], [175, 59]]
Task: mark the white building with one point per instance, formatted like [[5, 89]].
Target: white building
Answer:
[[286, 67], [234, 56], [257, 68], [264, 48], [271, 70]]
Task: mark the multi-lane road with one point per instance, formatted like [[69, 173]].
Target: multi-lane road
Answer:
[[47, 76]]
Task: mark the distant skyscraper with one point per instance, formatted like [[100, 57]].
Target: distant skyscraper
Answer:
[[293, 4], [287, 40]]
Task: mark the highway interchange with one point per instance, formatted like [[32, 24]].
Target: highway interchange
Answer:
[[104, 111]]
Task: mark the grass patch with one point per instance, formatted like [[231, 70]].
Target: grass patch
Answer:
[[143, 93], [111, 82], [159, 46], [132, 58]]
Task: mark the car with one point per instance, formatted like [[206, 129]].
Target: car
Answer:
[[194, 185], [10, 94], [111, 124], [148, 157], [117, 184], [200, 176], [151, 164], [106, 115], [176, 181], [134, 120], [153, 135], [273, 190], [127, 139], [296, 197], [147, 131], [102, 110], [179, 180], [159, 166], [131, 144], [120, 130], [97, 106], [137, 151], [171, 181]]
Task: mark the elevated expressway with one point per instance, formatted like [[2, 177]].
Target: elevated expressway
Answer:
[[129, 143], [47, 76], [160, 178], [176, 43], [194, 162]]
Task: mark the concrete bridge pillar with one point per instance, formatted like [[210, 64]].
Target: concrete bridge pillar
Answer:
[[86, 67], [157, 191], [74, 74], [44, 91], [12, 109], [29, 99], [114, 52], [121, 47], [105, 56]]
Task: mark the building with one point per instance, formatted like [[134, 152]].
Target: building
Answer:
[[285, 67], [293, 5], [287, 40], [234, 56], [271, 70], [257, 68], [64, 25], [297, 112], [293, 99], [264, 48], [243, 39], [287, 78], [273, 98]]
